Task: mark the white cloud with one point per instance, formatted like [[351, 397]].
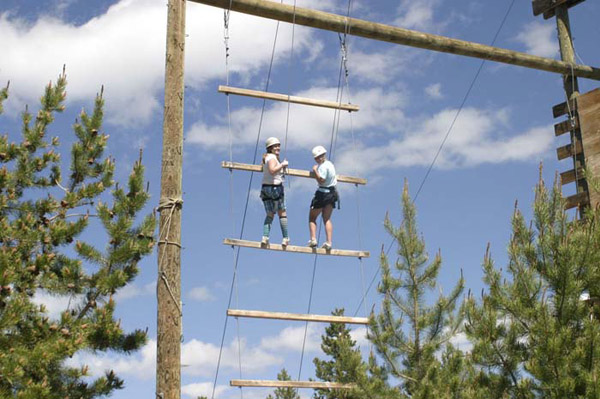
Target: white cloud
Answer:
[[197, 359], [461, 342], [204, 389], [386, 65], [478, 137], [360, 336], [56, 304], [539, 38], [141, 364], [291, 338], [417, 15], [201, 358], [201, 294], [133, 290], [124, 50], [434, 91]]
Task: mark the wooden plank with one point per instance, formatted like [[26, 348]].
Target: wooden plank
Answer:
[[570, 176], [547, 7], [257, 314], [394, 34], [296, 249], [566, 151], [565, 127], [577, 200], [589, 114], [288, 98], [291, 172], [291, 384], [563, 108]]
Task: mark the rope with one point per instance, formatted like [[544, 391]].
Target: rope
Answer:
[[287, 120], [333, 141], [445, 137], [171, 204], [237, 253]]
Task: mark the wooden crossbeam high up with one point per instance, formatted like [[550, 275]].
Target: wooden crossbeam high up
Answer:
[[287, 98], [394, 34]]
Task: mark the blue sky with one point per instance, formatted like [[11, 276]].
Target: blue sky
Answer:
[[408, 98]]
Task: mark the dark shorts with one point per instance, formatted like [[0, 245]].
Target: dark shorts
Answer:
[[321, 199], [273, 198]]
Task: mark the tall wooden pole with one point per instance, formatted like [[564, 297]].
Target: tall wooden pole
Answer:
[[169, 330], [393, 34], [570, 84]]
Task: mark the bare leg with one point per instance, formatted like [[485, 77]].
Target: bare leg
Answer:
[[327, 211], [312, 223]]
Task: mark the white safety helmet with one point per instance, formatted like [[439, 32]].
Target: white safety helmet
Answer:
[[318, 151], [271, 141]]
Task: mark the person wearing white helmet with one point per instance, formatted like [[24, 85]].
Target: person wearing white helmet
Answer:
[[325, 197], [272, 193]]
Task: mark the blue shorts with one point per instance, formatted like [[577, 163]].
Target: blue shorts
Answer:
[[273, 198]]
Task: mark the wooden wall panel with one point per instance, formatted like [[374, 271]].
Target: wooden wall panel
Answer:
[[588, 106]]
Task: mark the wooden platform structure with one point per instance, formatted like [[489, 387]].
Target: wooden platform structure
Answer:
[[585, 110], [548, 7], [257, 314], [292, 172], [287, 98], [291, 384], [296, 249]]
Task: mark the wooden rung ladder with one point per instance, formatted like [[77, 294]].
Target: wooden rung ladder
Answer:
[[292, 172], [296, 249], [291, 384], [288, 98], [257, 314]]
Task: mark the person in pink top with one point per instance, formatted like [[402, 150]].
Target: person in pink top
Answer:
[[272, 192]]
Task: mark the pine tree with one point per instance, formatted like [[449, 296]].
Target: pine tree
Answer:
[[347, 366], [284, 393], [346, 362], [42, 222], [535, 331], [408, 333]]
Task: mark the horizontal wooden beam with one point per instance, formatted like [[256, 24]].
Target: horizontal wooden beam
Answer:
[[570, 176], [297, 249], [257, 314], [548, 7], [291, 172], [566, 151], [287, 98], [564, 108], [566, 126], [577, 200], [290, 384], [393, 34]]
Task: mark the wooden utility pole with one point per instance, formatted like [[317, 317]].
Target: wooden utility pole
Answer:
[[169, 330], [571, 87]]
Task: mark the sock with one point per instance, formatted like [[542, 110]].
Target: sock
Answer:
[[283, 224], [267, 226]]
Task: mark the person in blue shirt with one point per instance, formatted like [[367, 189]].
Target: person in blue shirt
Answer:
[[325, 197]]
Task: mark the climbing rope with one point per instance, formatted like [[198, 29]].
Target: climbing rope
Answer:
[[464, 100], [237, 252], [172, 204]]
